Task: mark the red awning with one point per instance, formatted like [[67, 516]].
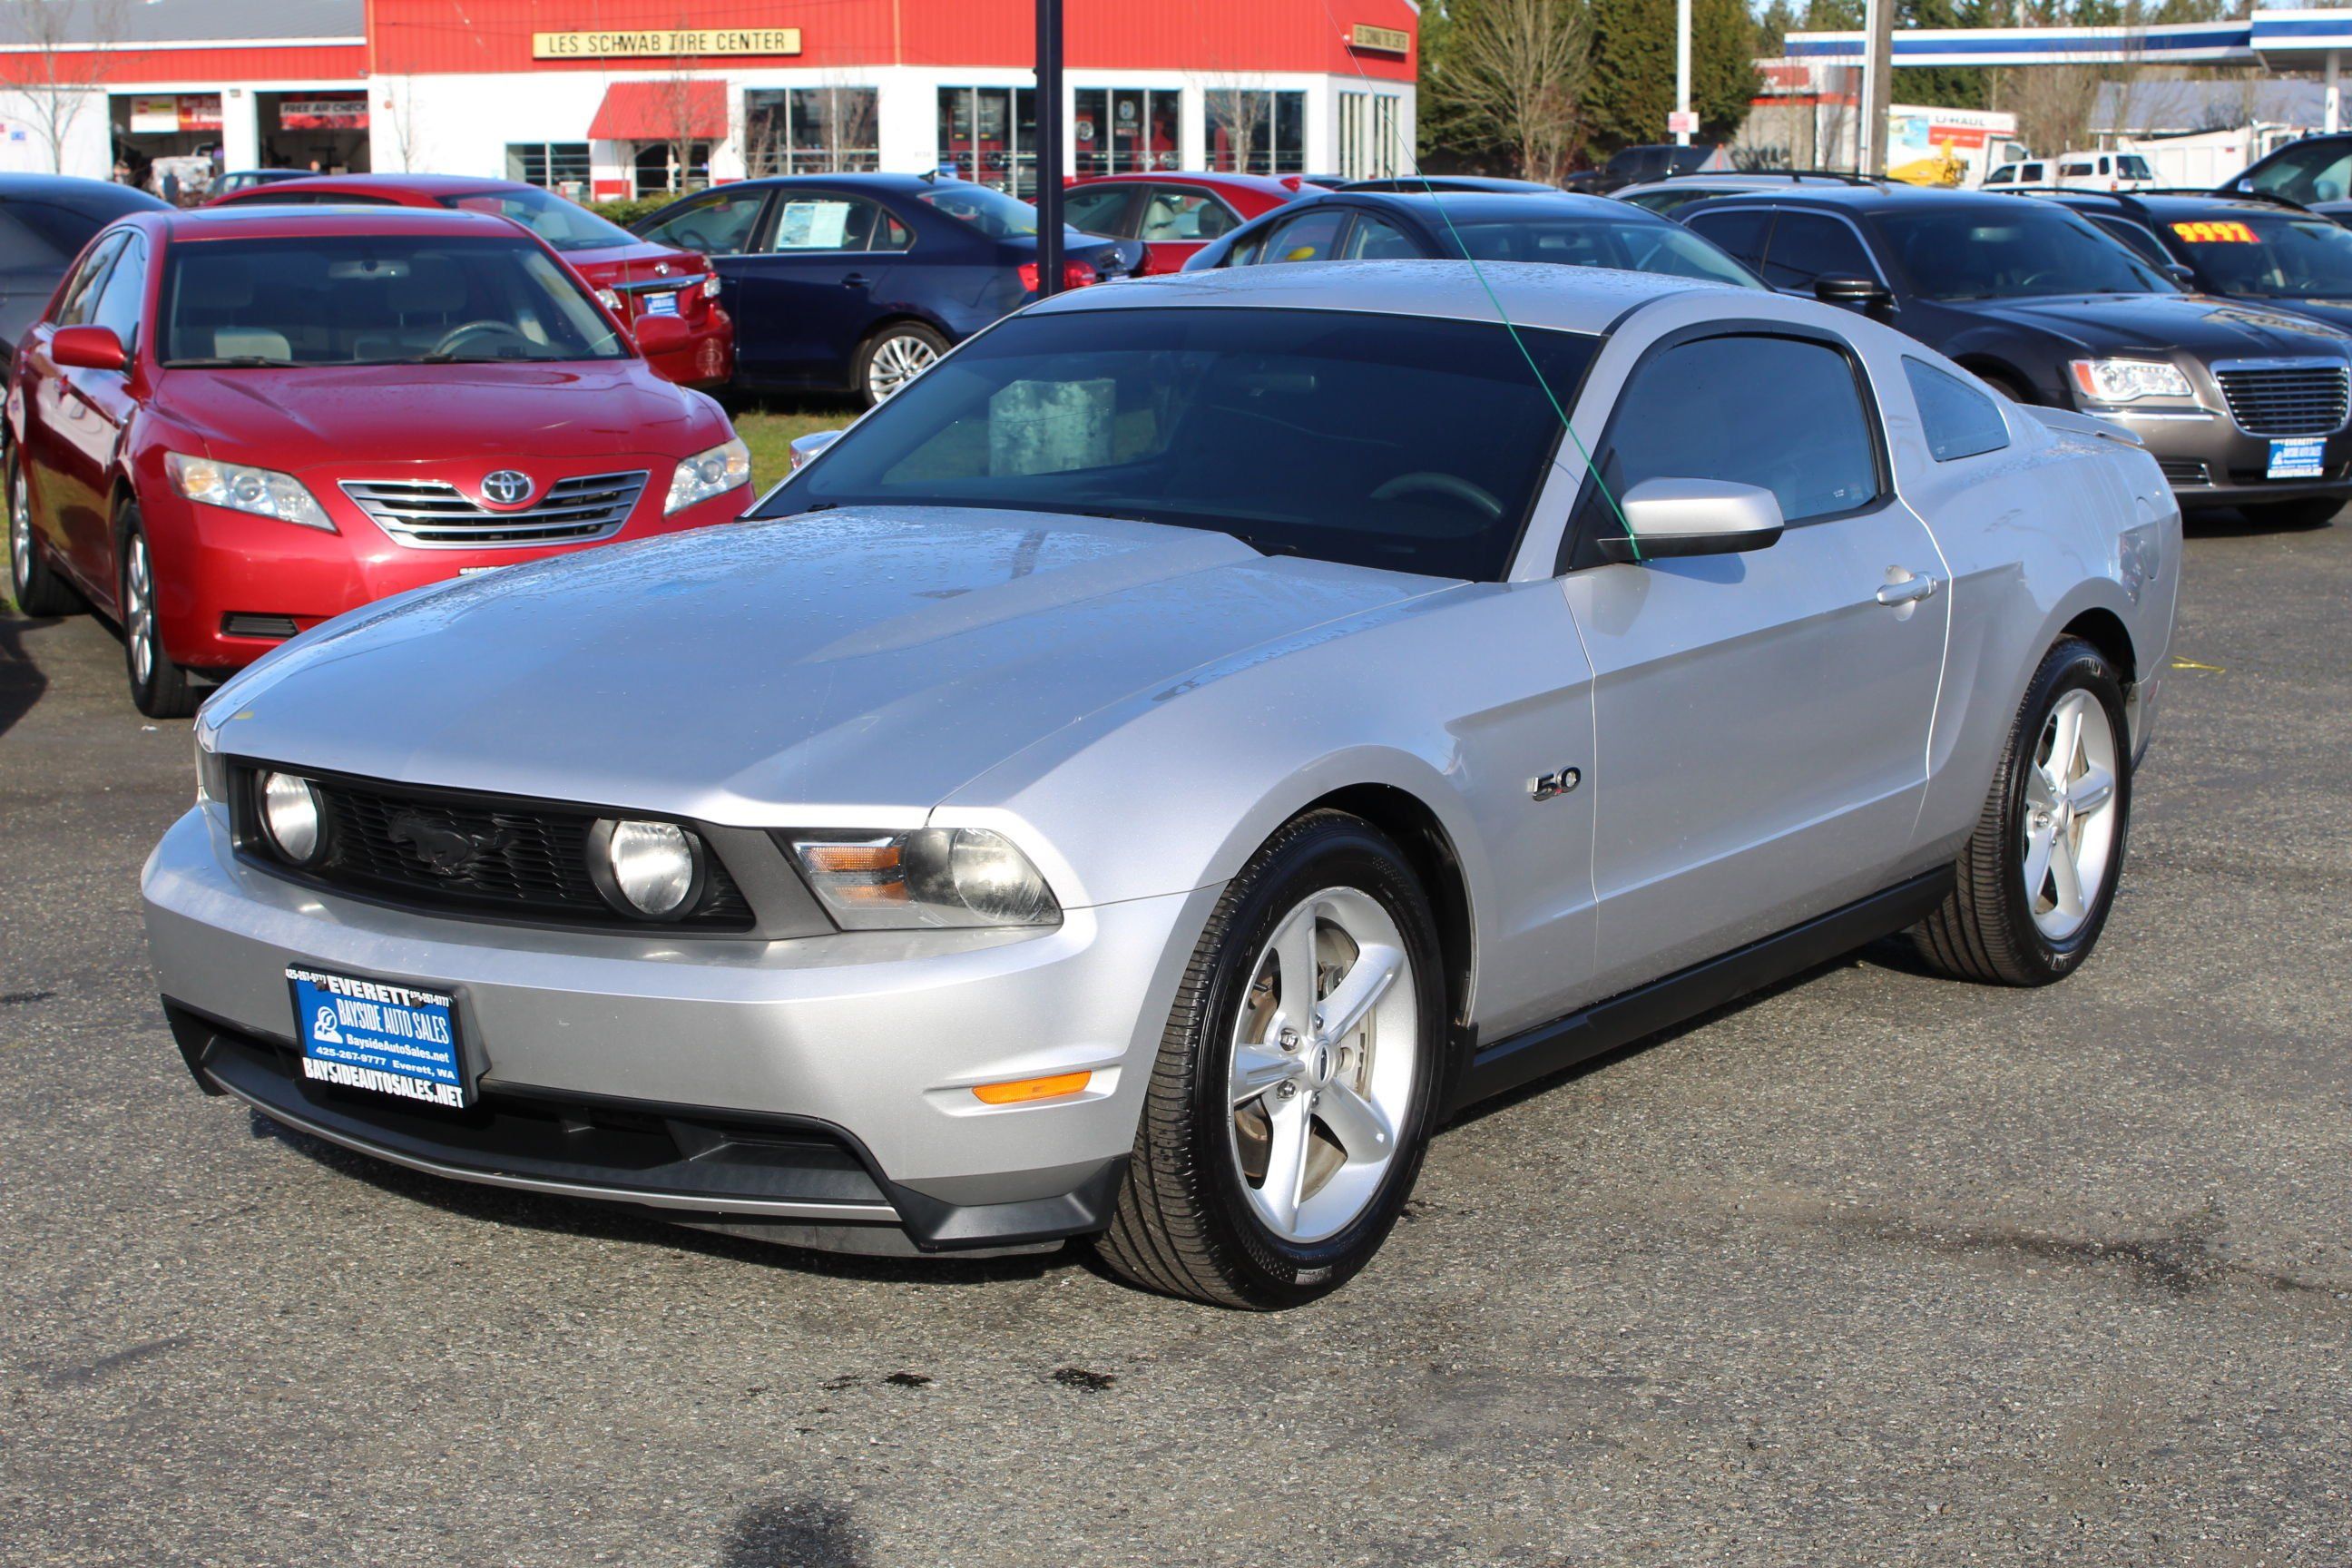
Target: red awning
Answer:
[[661, 111]]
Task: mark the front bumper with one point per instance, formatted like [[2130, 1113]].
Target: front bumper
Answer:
[[814, 1090], [2210, 462]]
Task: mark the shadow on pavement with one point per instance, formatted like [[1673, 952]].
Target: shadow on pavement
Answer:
[[21, 680], [794, 1533]]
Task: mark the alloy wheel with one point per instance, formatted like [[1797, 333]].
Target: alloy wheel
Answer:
[[20, 537], [897, 361], [2069, 832], [1324, 1057], [139, 611]]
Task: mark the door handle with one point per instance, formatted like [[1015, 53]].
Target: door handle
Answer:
[[858, 280], [1910, 591]]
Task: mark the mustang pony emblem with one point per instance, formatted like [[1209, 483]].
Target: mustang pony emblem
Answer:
[[444, 851]]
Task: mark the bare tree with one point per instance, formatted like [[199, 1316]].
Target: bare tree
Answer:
[[69, 40], [1244, 112], [1513, 75], [406, 142]]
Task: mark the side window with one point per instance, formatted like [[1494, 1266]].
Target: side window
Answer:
[[1377, 239], [1807, 246], [1098, 209], [74, 305], [2075, 171], [1182, 217], [717, 225], [2320, 174], [895, 235], [1741, 232], [2144, 245], [2030, 174], [2004, 176], [1309, 236], [123, 301], [823, 223], [1693, 412], [1959, 421]]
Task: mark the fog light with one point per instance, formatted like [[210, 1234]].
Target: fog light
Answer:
[[651, 868], [291, 816]]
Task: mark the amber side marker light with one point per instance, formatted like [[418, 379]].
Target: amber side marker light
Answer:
[[1027, 1089]]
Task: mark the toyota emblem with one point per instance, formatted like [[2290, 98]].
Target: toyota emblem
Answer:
[[506, 488]]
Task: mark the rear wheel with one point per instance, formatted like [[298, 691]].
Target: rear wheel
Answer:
[[2037, 878], [38, 589], [895, 356], [1296, 1082], [160, 688]]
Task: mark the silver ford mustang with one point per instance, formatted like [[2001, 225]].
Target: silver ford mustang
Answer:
[[1143, 778]]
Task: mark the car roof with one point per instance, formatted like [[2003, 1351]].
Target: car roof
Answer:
[[1531, 293], [2169, 204], [1889, 196], [87, 197], [1487, 203], [260, 220], [1264, 183], [874, 181], [421, 184]]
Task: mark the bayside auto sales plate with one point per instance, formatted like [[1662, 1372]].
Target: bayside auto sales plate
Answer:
[[2298, 460], [379, 1036], [659, 304]]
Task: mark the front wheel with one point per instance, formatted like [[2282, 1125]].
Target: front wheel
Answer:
[[2037, 878], [895, 356], [160, 689], [1297, 1079]]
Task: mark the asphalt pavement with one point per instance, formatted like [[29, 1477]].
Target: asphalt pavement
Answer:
[[1874, 1269]]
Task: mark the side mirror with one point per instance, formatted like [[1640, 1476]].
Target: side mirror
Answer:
[[661, 334], [806, 448], [88, 348], [1868, 295], [1674, 518], [2181, 274]]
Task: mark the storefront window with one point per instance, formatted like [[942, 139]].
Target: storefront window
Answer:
[[1257, 132], [988, 136], [1125, 131], [1368, 136], [560, 166], [659, 172], [812, 131]]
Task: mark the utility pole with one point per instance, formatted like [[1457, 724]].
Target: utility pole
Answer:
[[1682, 72], [1877, 74], [1049, 147]]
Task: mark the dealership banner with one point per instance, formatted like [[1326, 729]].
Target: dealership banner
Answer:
[[166, 114], [340, 111], [674, 43]]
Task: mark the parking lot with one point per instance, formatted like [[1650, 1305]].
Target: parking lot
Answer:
[[1873, 1268]]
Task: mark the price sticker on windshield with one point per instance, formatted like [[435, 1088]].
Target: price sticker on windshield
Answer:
[[2216, 233]]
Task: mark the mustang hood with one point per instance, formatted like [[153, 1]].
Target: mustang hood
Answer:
[[2205, 326], [302, 416], [855, 658]]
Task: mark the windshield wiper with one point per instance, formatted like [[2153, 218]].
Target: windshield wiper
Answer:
[[239, 359]]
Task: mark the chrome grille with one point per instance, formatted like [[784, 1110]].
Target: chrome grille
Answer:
[[434, 515], [2308, 399]]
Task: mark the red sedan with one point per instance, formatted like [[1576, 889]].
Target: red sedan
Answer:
[[230, 425], [635, 279], [1174, 214]]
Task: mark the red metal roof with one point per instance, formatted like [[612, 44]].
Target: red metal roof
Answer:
[[660, 111]]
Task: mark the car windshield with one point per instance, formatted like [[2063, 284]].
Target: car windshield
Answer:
[[565, 225], [991, 211], [1629, 245], [2023, 251], [2276, 255], [376, 299], [2318, 170], [1403, 442], [2132, 166]]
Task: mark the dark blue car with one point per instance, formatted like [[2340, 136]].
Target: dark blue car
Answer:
[[858, 282]]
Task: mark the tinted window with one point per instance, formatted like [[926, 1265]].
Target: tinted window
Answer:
[[994, 214], [1183, 216], [2143, 244], [379, 299], [38, 237], [73, 306], [1701, 411], [1740, 232], [1628, 244], [2001, 176], [1097, 209], [2317, 171], [2275, 255], [1958, 420], [2030, 172], [1377, 239], [716, 225], [1806, 246], [2012, 250], [2072, 170], [1309, 236], [121, 301], [565, 225], [1279, 426]]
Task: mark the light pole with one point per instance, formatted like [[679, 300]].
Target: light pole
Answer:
[[1870, 146], [1049, 147], [1682, 72]]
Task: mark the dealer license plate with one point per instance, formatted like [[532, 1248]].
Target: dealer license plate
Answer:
[[657, 304], [380, 1036], [2298, 460]]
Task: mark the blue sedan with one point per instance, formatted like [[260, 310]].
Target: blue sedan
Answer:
[[859, 282]]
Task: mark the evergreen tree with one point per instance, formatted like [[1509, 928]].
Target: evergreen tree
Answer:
[[1633, 86]]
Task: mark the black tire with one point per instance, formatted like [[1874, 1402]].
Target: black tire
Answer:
[[1185, 1224], [32, 582], [162, 690], [911, 336], [1985, 930], [2309, 512], [2009, 386]]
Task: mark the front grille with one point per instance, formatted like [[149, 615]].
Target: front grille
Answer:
[[2287, 400], [431, 514], [534, 863], [2183, 471]]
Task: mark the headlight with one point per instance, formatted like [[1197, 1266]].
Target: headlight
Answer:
[[932, 876], [709, 474], [2127, 380], [264, 492], [290, 817], [652, 869]]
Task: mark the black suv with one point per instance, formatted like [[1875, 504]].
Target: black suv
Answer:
[[2315, 172], [2265, 250], [2245, 405]]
